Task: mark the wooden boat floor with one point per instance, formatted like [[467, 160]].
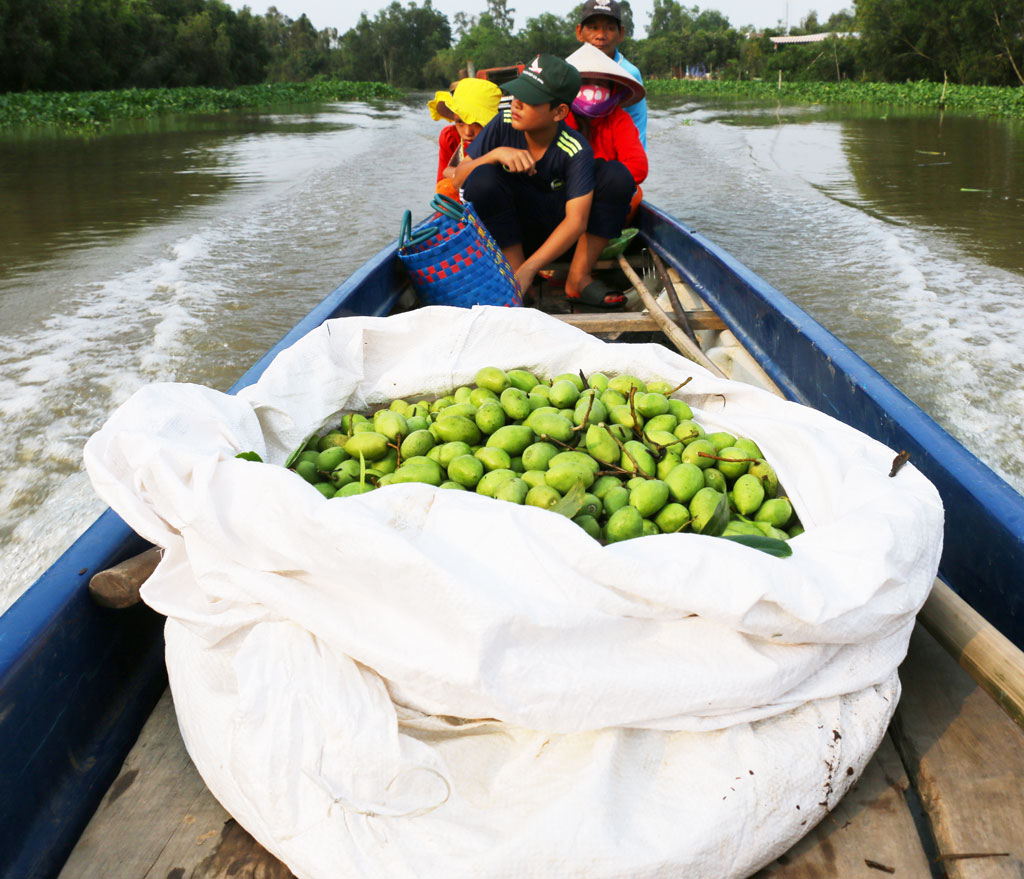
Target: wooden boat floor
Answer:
[[942, 797]]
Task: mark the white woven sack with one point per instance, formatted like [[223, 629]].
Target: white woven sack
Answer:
[[426, 682]]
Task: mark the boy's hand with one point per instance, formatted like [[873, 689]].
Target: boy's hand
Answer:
[[515, 161]]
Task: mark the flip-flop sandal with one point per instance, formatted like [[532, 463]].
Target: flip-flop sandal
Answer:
[[597, 294]]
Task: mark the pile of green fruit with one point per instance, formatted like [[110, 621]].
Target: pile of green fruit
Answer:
[[620, 457]]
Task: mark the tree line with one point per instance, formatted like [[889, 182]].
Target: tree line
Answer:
[[82, 45]]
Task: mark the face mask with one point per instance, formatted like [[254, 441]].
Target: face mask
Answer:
[[595, 100]]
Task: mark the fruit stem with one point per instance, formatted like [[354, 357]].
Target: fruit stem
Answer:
[[627, 453], [729, 460], [681, 385], [586, 417]]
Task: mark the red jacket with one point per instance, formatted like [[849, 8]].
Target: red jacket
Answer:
[[615, 137], [449, 143]]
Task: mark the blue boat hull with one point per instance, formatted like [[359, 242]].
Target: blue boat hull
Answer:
[[77, 681]]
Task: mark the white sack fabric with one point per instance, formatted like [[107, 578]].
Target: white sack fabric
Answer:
[[422, 682]]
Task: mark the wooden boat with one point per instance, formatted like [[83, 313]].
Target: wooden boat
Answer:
[[78, 681]]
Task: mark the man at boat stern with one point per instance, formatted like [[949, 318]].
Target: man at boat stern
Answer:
[[535, 185]]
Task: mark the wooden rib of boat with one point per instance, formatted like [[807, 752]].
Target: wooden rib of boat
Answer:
[[85, 795]]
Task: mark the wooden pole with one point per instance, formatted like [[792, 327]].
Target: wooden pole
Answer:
[[676, 336], [118, 587]]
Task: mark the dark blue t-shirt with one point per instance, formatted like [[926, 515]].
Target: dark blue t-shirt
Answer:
[[567, 166]]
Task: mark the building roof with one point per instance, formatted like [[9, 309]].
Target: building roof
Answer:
[[810, 38]]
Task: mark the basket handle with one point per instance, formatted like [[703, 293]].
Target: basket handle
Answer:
[[448, 206], [405, 236]]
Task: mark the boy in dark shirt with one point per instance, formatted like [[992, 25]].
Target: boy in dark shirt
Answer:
[[535, 184]]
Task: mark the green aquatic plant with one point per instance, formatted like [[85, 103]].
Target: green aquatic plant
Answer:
[[978, 99], [94, 110]]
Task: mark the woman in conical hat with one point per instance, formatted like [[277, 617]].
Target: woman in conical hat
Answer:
[[598, 115]]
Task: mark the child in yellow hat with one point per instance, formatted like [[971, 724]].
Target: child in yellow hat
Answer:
[[470, 105]]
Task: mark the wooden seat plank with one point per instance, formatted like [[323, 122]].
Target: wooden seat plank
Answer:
[[635, 321], [965, 756]]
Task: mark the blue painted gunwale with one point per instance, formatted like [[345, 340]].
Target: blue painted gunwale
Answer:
[[77, 681]]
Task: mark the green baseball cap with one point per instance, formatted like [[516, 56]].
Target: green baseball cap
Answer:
[[546, 78]]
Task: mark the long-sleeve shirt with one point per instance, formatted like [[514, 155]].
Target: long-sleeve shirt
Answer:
[[638, 112], [615, 137]]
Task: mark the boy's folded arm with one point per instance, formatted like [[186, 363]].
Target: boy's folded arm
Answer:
[[512, 158]]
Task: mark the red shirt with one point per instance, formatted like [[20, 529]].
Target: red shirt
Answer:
[[615, 137], [449, 143]]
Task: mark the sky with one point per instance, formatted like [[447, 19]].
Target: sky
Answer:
[[343, 14]]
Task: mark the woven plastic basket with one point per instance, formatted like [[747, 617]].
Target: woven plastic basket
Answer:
[[455, 261]]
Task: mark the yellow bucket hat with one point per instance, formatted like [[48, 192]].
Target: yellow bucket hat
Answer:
[[473, 100]]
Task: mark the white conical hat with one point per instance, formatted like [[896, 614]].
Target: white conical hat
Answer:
[[591, 61]]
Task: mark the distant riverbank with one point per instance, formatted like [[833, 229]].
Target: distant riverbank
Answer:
[[94, 110], [978, 99]]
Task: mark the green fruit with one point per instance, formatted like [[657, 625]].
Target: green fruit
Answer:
[[388, 463], [769, 530], [466, 470], [536, 456], [590, 408], [611, 399], [490, 482], [512, 438], [623, 384], [493, 458], [636, 458], [660, 387], [444, 402], [353, 488], [543, 496], [564, 394], [603, 484], [713, 477], [615, 498], [308, 471], [704, 507], [331, 439], [310, 456], [461, 395], [386, 479], [479, 396], [552, 425], [688, 431], [564, 476], [362, 427], [371, 445], [667, 421], [764, 471], [650, 405], [490, 416], [351, 419], [516, 463], [720, 439], [624, 415], [601, 446], [700, 452], [456, 428], [589, 524], [649, 497], [776, 512], [680, 409], [598, 381], [448, 452], [672, 517], [795, 530], [662, 439], [740, 526], [339, 477], [539, 395], [624, 524], [522, 379], [577, 457], [570, 377], [634, 482], [400, 406], [391, 424], [533, 478], [732, 469], [492, 378], [416, 422], [650, 527], [450, 484], [749, 447], [349, 468], [513, 490], [516, 403], [420, 469], [467, 409], [748, 494], [419, 442], [330, 458]]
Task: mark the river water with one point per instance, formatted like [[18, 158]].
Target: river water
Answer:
[[181, 249]]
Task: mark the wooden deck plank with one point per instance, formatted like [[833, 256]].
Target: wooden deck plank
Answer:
[[635, 321], [872, 823], [966, 759]]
